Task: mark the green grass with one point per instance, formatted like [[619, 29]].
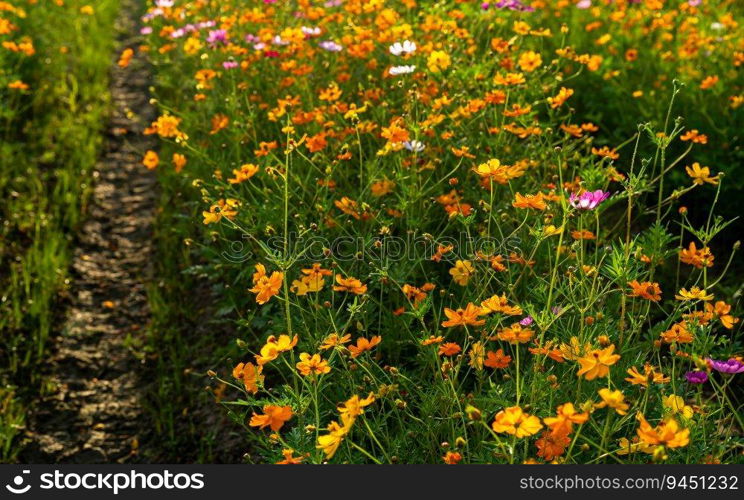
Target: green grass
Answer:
[[180, 343], [49, 143]]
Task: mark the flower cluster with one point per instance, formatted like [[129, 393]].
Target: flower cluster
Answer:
[[557, 319]]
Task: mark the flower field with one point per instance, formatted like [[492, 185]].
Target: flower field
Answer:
[[461, 232]]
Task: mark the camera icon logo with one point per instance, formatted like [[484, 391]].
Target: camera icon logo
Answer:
[[17, 485]]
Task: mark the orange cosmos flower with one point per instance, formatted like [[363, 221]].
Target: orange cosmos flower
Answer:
[[551, 445], [494, 170], [500, 304], [219, 122], [18, 85], [449, 349], [517, 110], [179, 161], [547, 349], [497, 360], [678, 333], [312, 364], [515, 334], [432, 340], [464, 317], [694, 136], [273, 417], [316, 142], [645, 290], [330, 93], [265, 286], [649, 375], [250, 374], [151, 160], [535, 201], [349, 207], [350, 285], [395, 133], [708, 82], [289, 458], [415, 294], [606, 152], [462, 152], [363, 345], [722, 311], [125, 58], [442, 250], [509, 79], [515, 422], [582, 235], [354, 406], [529, 61], [165, 126], [561, 98], [700, 175], [698, 258], [596, 363], [244, 173], [566, 416], [381, 188], [334, 340], [668, 433]]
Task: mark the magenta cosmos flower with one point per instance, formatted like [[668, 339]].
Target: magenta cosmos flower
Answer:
[[588, 200], [696, 377], [217, 36], [731, 366]]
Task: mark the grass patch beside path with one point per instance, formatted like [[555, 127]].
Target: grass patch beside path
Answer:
[[53, 106]]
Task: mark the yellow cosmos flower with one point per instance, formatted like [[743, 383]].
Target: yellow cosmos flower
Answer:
[[695, 293], [462, 272], [614, 400], [597, 363], [515, 422], [677, 405], [438, 61]]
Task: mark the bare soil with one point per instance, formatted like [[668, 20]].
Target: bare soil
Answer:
[[94, 412]]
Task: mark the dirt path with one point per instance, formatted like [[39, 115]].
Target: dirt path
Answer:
[[95, 413]]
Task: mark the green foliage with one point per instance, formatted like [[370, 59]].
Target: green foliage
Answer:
[[49, 144]]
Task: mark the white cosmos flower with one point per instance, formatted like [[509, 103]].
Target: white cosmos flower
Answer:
[[414, 146], [402, 70], [315, 31], [407, 47]]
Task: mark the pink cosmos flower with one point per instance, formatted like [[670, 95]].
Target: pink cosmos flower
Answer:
[[588, 200], [696, 377], [731, 366], [217, 36]]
